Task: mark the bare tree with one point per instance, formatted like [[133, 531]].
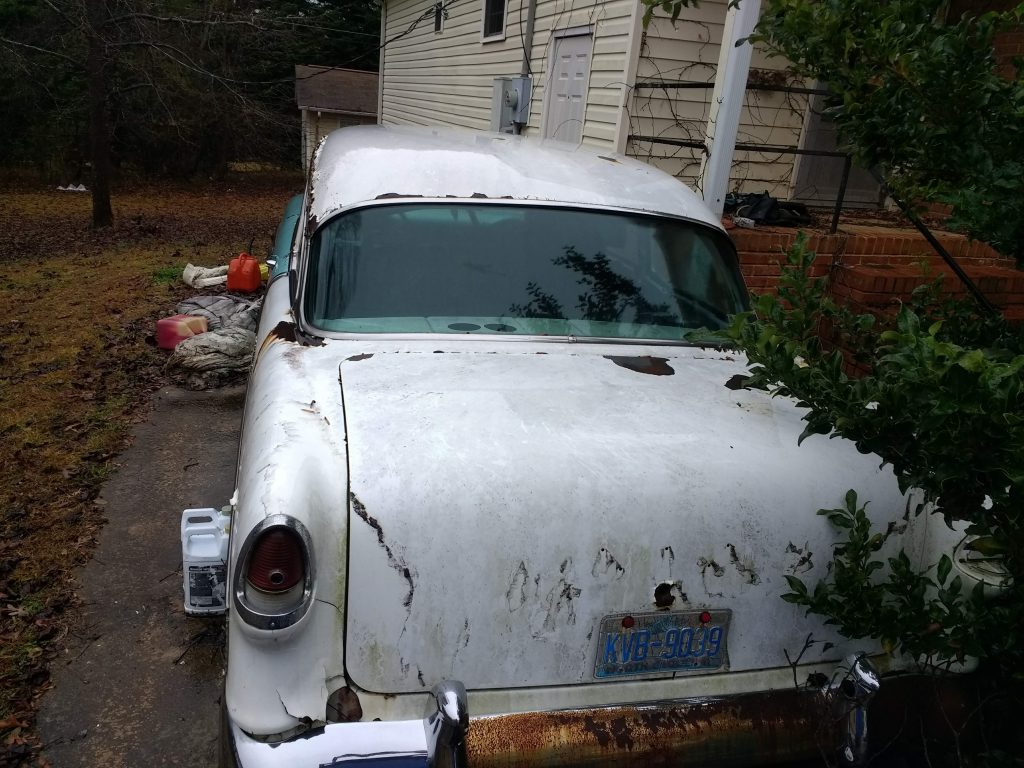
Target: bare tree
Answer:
[[99, 124], [177, 91]]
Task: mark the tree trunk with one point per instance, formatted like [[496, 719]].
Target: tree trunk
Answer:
[[99, 124]]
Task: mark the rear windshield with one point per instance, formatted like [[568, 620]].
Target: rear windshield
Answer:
[[517, 269]]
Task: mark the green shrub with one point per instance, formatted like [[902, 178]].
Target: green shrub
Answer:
[[942, 402]]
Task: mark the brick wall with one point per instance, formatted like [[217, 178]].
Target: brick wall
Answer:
[[874, 268], [881, 288], [1008, 45]]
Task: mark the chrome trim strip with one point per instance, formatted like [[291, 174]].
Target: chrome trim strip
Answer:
[[446, 725], [464, 337], [856, 688], [529, 202], [247, 613]]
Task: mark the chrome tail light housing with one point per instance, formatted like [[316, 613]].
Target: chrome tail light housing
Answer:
[[273, 578]]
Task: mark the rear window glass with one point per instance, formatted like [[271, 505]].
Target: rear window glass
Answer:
[[517, 269]]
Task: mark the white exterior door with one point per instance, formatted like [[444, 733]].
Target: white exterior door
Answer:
[[567, 100]]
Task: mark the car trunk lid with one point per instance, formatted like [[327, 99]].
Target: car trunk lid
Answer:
[[504, 503]]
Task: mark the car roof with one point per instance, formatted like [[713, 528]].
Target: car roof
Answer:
[[360, 164]]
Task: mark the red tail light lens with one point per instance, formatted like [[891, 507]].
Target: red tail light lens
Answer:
[[277, 563]]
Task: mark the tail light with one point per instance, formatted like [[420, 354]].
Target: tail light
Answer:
[[276, 563], [273, 586]]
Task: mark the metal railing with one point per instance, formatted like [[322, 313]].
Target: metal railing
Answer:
[[744, 147]]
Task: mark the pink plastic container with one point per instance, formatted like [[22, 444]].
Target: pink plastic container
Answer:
[[171, 330]]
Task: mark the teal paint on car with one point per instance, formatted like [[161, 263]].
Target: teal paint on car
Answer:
[[284, 237]]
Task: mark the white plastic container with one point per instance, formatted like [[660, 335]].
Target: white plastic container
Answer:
[[204, 557]]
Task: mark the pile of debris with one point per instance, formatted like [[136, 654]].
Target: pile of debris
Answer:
[[213, 336], [755, 209]]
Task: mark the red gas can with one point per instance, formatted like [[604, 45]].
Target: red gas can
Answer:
[[244, 274]]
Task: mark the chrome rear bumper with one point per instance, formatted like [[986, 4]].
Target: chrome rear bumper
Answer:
[[746, 729]]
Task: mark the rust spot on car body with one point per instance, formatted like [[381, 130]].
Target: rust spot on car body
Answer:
[[753, 728], [663, 597], [395, 562], [743, 567], [805, 562], [703, 563], [283, 331], [739, 381], [655, 366], [605, 564], [343, 706], [516, 593], [286, 331]]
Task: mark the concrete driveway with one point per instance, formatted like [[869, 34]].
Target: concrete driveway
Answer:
[[139, 682]]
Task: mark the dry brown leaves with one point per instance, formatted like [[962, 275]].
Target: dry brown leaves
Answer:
[[75, 308]]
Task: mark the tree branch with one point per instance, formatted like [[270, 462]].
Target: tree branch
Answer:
[[182, 20], [42, 50], [71, 22], [130, 88]]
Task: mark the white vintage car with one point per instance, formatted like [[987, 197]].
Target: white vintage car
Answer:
[[493, 508]]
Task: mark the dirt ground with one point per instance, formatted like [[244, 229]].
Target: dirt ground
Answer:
[[76, 307]]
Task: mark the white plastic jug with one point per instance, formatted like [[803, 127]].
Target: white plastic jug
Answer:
[[204, 557]]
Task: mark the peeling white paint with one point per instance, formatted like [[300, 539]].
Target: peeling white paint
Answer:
[[364, 163], [477, 507], [484, 513], [514, 548]]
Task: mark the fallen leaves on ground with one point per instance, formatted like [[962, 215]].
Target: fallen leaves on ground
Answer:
[[75, 309]]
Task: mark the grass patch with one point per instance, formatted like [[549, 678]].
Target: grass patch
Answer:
[[168, 275]]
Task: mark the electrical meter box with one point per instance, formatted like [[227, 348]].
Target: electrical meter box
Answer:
[[510, 103]]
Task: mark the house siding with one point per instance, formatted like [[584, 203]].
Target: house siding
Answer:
[[689, 51], [446, 78], [317, 123]]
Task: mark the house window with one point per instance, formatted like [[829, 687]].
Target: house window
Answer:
[[494, 18]]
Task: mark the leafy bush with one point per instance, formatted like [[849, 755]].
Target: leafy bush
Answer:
[[943, 404]]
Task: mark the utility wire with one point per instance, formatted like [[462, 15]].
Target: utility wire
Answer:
[[427, 14]]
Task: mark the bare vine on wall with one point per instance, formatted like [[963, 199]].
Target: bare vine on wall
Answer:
[[769, 118]]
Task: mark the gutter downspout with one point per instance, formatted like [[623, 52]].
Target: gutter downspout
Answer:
[[380, 63], [525, 70], [531, 15]]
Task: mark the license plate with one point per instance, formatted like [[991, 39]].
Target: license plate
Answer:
[[654, 643]]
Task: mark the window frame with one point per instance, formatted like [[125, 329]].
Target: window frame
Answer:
[[494, 37]]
